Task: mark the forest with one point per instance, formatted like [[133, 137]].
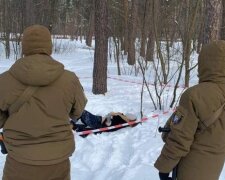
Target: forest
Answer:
[[142, 32]]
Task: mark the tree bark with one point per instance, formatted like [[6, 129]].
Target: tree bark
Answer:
[[212, 20], [91, 25], [222, 35], [150, 46], [132, 33], [126, 15], [6, 26], [101, 48], [145, 28], [151, 36], [30, 13]]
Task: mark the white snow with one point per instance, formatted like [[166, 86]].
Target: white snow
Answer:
[[126, 154]]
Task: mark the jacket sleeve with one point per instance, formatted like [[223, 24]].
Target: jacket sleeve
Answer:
[[3, 118], [183, 126], [79, 101]]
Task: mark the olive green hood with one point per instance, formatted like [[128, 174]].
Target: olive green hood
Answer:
[[36, 70], [36, 40], [211, 62]]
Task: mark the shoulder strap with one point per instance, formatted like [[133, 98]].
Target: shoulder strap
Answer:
[[28, 92], [209, 121]]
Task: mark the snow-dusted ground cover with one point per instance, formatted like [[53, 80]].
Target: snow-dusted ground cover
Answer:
[[127, 154]]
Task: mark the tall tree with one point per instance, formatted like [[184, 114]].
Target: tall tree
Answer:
[[132, 32], [101, 48], [145, 27], [91, 24], [222, 33], [30, 12], [151, 36], [6, 26], [126, 14], [212, 20]]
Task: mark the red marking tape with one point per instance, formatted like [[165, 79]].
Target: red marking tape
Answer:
[[124, 124], [111, 127], [133, 82]]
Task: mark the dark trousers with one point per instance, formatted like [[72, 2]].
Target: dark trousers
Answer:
[[91, 120]]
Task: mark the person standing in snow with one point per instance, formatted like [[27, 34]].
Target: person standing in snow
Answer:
[[38, 135], [196, 142]]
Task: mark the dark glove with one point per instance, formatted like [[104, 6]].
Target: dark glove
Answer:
[[164, 176], [73, 124]]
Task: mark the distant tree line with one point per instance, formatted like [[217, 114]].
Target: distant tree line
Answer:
[[138, 28]]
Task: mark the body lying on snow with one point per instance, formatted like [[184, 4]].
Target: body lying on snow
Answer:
[[89, 121]]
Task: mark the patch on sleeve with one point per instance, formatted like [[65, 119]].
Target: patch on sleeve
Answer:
[[176, 119]]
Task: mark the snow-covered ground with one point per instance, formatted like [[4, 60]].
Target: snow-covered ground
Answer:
[[126, 154]]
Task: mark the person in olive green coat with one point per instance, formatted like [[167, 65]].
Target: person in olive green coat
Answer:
[[199, 152], [38, 137]]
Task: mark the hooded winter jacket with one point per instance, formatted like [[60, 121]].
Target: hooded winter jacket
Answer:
[[39, 133], [199, 154]]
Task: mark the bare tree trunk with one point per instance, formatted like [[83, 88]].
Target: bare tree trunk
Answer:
[[132, 32], [150, 47], [91, 24], [190, 21], [30, 13], [101, 48], [187, 41], [126, 15], [6, 21], [77, 20], [151, 36], [147, 12], [189, 29], [117, 53], [201, 26], [222, 35], [212, 21], [155, 7], [53, 8]]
